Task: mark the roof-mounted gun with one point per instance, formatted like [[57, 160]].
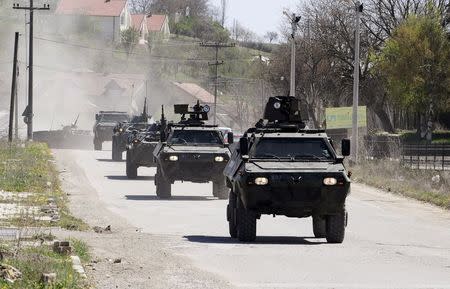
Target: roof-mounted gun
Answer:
[[197, 116]]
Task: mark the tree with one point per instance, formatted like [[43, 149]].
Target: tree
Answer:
[[271, 36], [415, 65], [141, 6], [129, 38]]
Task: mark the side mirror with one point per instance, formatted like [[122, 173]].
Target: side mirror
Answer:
[[230, 138], [97, 117], [243, 146], [345, 146]]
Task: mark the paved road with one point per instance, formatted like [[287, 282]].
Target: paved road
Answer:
[[391, 242]]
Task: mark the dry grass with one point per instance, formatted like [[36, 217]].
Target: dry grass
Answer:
[[418, 184]]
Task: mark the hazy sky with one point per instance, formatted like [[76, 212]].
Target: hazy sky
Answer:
[[259, 16]]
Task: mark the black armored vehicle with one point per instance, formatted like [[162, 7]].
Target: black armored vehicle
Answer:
[[140, 147], [192, 151], [105, 121], [281, 168], [122, 131]]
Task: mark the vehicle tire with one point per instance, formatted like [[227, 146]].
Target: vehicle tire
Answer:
[[231, 214], [335, 228], [319, 226], [220, 190], [116, 153], [163, 187], [245, 222], [131, 167], [97, 144]]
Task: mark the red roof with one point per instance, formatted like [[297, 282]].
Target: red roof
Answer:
[[196, 91], [136, 21], [155, 22], [91, 7]]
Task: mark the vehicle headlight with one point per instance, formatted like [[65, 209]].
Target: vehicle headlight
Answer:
[[173, 158], [136, 141], [329, 181], [219, 159], [261, 181], [121, 129]]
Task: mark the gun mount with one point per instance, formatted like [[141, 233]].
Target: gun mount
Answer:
[[197, 116]]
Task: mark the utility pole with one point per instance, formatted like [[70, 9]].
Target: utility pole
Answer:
[[355, 138], [13, 88], [294, 23], [29, 110], [217, 46]]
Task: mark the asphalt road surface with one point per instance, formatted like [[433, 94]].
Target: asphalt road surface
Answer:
[[391, 242]]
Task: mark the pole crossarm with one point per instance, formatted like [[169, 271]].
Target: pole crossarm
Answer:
[[17, 6], [217, 63]]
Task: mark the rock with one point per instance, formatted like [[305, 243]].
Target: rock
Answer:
[[9, 273], [100, 230], [62, 247], [48, 278], [117, 261]]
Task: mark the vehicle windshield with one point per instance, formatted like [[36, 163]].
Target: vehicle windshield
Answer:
[[195, 137], [299, 149], [114, 118]]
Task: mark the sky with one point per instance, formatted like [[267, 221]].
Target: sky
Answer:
[[266, 17]]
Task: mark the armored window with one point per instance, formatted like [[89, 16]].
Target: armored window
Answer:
[[193, 137], [292, 148]]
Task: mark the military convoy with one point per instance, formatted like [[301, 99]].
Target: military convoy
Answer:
[[279, 167], [192, 151]]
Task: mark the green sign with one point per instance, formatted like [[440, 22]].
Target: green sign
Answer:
[[341, 117]]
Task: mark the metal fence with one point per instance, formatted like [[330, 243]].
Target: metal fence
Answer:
[[426, 156]]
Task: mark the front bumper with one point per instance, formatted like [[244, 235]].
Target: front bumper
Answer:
[[192, 170], [294, 195]]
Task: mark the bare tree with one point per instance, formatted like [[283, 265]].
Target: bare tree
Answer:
[[271, 36], [141, 6]]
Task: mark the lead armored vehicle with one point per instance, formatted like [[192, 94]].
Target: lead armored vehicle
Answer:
[[192, 151], [122, 131], [281, 168], [105, 121]]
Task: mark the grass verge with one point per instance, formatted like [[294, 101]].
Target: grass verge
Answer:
[[32, 262], [423, 185], [30, 168]]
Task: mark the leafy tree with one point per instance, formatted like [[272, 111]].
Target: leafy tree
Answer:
[[129, 39], [415, 64]]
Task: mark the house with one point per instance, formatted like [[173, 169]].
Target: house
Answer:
[[151, 25], [106, 18]]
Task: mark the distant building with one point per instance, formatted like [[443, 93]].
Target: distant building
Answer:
[[148, 25], [107, 18]]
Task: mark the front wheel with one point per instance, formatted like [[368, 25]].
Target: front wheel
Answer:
[[246, 223], [220, 190], [335, 227], [131, 167], [319, 226], [231, 214], [163, 186], [97, 144], [116, 153]]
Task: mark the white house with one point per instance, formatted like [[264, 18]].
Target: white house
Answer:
[[151, 24], [106, 17]]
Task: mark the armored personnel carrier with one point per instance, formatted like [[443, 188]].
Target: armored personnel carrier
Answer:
[[105, 121], [192, 151], [141, 145], [122, 131], [282, 168]]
